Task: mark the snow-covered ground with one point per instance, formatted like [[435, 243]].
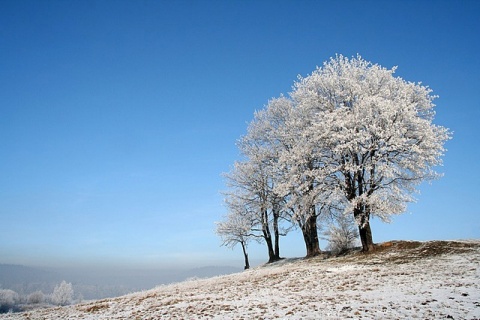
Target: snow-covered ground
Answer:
[[403, 280]]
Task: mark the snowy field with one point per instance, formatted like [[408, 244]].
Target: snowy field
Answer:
[[402, 280]]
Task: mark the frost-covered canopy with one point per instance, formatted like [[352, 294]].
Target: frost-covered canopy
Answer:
[[373, 132], [351, 138]]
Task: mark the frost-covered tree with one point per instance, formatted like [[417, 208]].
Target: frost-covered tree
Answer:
[[276, 138], [62, 294], [250, 192], [8, 300], [297, 167], [259, 174], [351, 138], [237, 228], [374, 134]]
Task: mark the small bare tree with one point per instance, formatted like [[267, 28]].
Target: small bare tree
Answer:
[[342, 234], [236, 229]]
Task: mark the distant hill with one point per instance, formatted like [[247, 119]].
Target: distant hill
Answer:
[[24, 280], [91, 283], [401, 280]]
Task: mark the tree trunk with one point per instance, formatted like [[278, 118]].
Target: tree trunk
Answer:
[[271, 252], [276, 233], [245, 254], [268, 241], [366, 237], [268, 238], [310, 236], [362, 215]]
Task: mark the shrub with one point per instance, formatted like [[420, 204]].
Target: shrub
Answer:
[[36, 297], [341, 235], [8, 300]]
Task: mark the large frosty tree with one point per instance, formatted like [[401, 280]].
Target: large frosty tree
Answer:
[[350, 139], [374, 134]]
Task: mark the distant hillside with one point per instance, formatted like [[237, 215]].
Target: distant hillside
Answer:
[[10, 273], [91, 283], [24, 279], [401, 280]]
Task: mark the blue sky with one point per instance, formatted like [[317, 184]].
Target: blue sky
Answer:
[[118, 117]]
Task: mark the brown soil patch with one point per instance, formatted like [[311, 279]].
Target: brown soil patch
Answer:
[[398, 251], [96, 308]]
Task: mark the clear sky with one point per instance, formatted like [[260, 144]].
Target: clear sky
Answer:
[[118, 117]]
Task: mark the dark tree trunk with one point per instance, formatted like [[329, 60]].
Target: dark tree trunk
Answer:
[[362, 216], [361, 212], [276, 233], [309, 230], [366, 237], [271, 252], [268, 238], [310, 236], [245, 254]]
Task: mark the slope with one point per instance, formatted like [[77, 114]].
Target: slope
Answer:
[[415, 280]]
